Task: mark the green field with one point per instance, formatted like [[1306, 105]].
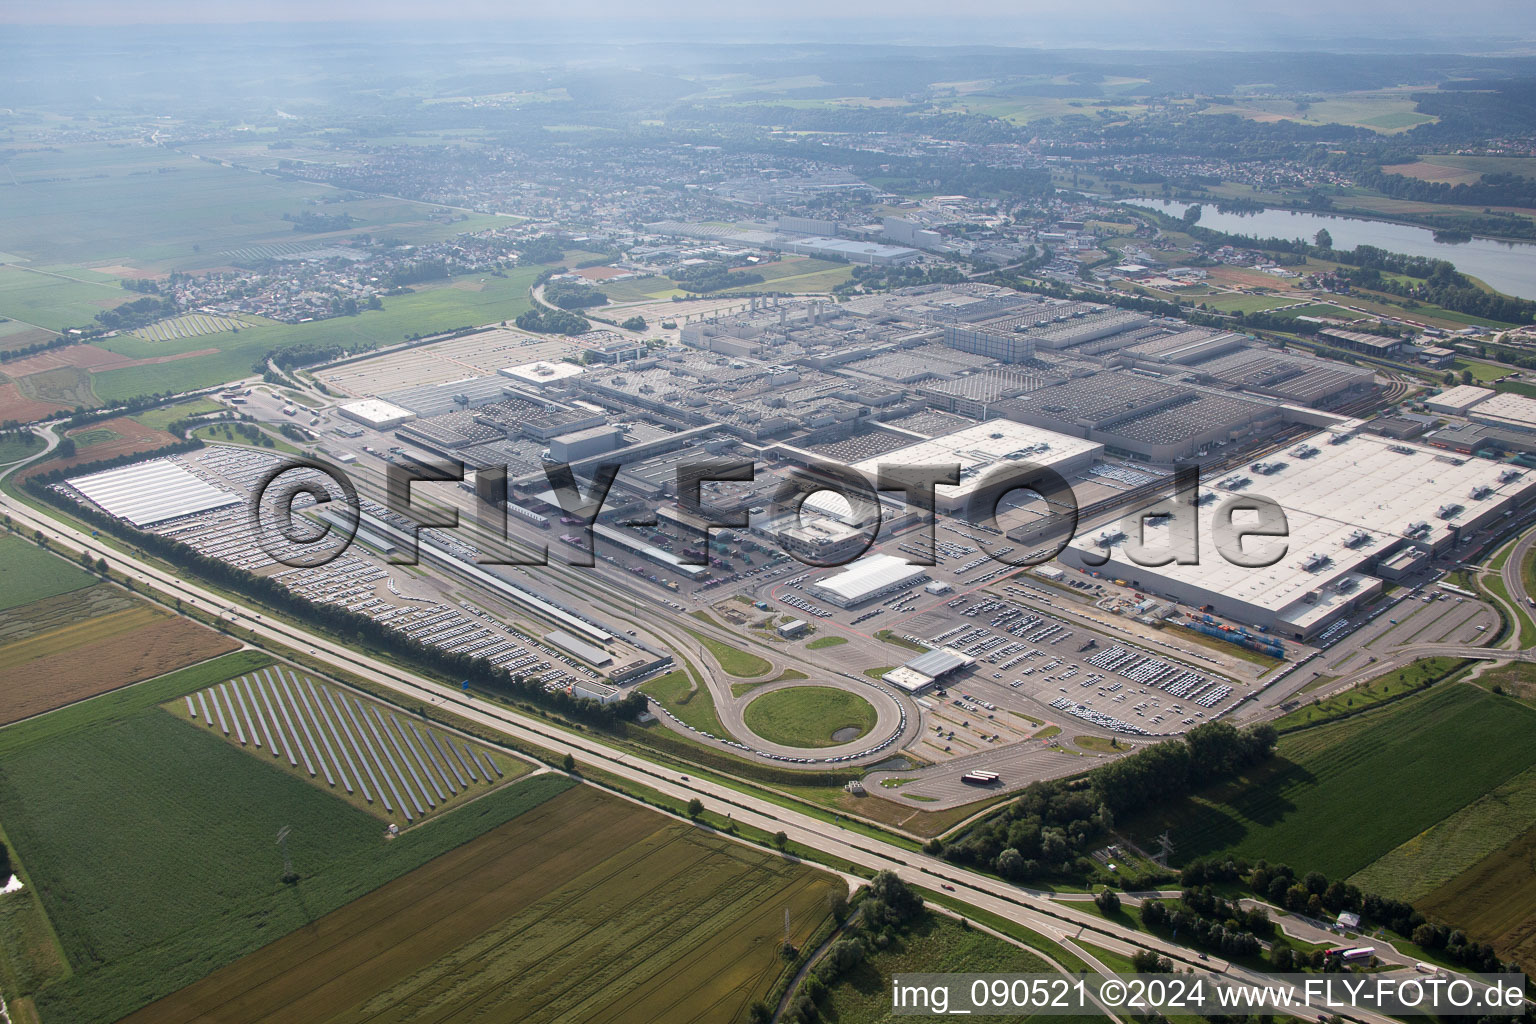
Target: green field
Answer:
[[153, 209], [586, 908], [937, 944], [12, 449], [28, 573], [54, 302], [809, 716], [1239, 303], [1379, 690], [738, 663], [461, 302], [822, 643], [163, 417], [1332, 800], [151, 844], [1435, 856], [693, 704]]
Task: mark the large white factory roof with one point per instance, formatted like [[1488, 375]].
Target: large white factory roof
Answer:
[[1457, 400], [376, 413], [980, 448], [1506, 410], [1344, 505], [869, 576], [146, 493], [542, 372]]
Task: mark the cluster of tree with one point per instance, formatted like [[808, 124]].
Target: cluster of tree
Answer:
[[1210, 922], [542, 249], [867, 277], [251, 434], [1051, 826], [137, 313], [316, 223], [291, 356], [553, 321], [353, 628], [6, 355], [887, 909], [416, 273], [634, 323], [571, 295], [1315, 895], [712, 277]]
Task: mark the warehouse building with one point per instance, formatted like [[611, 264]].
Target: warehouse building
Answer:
[[868, 579], [928, 668], [1456, 401], [376, 413], [983, 449], [1351, 501], [147, 493], [854, 252], [1509, 411]]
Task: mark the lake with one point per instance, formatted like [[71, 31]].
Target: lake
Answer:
[[1509, 267]]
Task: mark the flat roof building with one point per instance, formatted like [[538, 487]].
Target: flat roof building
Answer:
[[867, 580], [376, 413], [1456, 401], [147, 493], [1514, 412], [1348, 507]]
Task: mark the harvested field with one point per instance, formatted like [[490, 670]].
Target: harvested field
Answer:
[[584, 908], [1494, 901], [68, 386], [86, 357], [16, 406], [132, 437], [71, 646]]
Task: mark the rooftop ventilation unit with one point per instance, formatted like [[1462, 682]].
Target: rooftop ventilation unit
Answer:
[[1358, 539], [1481, 491], [1314, 562], [1447, 511]]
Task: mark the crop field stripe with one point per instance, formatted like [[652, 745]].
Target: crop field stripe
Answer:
[[447, 759], [428, 769], [325, 740], [203, 700], [362, 758], [374, 756], [245, 713], [277, 726], [260, 719], [325, 768], [269, 694], [191, 710], [404, 760], [436, 765], [415, 754], [282, 708]]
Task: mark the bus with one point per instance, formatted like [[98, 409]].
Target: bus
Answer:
[[979, 778]]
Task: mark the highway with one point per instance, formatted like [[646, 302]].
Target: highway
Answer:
[[1035, 910]]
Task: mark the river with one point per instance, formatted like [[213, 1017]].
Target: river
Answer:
[[1509, 267]]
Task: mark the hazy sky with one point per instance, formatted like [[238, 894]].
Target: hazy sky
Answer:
[[1002, 21]]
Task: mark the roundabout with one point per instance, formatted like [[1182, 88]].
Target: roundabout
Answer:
[[810, 716]]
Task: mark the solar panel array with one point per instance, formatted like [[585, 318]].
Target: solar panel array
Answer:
[[407, 768]]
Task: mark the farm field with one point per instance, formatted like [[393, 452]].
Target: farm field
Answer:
[[1289, 810], [28, 573], [54, 302], [216, 359], [810, 716], [14, 449], [367, 753], [585, 907], [75, 645], [150, 844], [1454, 845], [1494, 900], [148, 209]]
